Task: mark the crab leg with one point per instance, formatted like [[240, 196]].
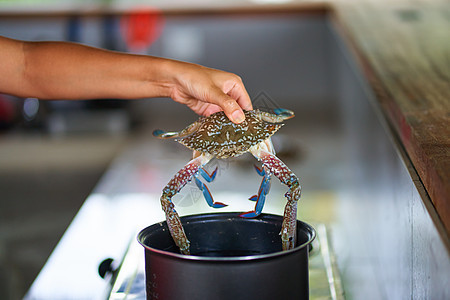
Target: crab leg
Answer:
[[206, 193], [280, 114], [168, 135], [260, 198], [172, 188], [275, 166]]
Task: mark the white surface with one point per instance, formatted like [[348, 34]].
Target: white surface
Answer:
[[102, 228]]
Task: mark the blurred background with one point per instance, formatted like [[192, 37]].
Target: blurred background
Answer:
[[53, 154]]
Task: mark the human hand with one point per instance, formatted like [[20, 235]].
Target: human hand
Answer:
[[207, 91], [79, 72]]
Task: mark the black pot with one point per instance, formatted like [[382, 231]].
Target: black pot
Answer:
[[231, 258]]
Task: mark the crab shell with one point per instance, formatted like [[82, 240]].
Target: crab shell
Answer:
[[219, 136]]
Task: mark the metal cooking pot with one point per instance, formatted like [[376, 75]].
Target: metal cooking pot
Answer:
[[231, 258]]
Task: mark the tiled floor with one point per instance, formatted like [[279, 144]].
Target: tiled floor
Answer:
[[43, 182]]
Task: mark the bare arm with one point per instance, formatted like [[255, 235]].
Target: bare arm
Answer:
[[59, 70]]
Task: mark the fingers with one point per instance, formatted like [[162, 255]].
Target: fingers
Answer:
[[211, 109], [207, 91], [200, 107], [229, 105], [239, 93], [233, 98]]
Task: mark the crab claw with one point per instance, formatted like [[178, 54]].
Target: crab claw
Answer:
[[208, 177], [285, 113], [260, 198], [253, 198], [249, 214], [206, 193], [158, 132], [163, 134], [259, 170]]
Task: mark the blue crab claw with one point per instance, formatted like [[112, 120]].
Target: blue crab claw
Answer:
[[207, 194], [260, 198], [263, 190], [253, 198], [208, 177], [285, 113], [163, 134], [249, 214], [158, 132], [259, 170]]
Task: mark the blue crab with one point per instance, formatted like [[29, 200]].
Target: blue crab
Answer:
[[216, 136]]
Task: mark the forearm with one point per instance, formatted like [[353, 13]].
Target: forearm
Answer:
[[58, 70]]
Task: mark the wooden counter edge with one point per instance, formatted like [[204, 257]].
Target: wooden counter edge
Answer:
[[432, 188]]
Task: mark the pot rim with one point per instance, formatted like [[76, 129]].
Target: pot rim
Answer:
[[308, 228]]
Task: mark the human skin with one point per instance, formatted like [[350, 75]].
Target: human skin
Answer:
[[62, 70]]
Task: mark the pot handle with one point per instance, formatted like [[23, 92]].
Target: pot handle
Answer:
[[107, 268]]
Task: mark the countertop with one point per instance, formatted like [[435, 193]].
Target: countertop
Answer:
[[404, 50], [403, 47]]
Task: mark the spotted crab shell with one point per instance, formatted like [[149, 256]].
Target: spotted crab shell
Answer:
[[219, 136]]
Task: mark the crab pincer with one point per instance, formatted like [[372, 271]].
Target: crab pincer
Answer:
[[259, 198], [202, 187]]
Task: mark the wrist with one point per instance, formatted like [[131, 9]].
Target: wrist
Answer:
[[160, 76], [178, 75]]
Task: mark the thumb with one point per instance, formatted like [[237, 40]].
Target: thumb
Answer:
[[229, 105]]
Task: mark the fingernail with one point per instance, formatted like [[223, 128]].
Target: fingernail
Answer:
[[238, 116]]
